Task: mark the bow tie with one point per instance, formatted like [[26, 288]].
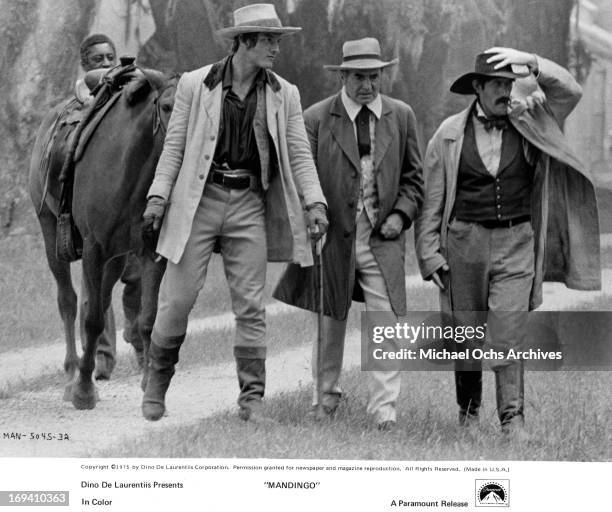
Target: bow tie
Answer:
[[500, 122]]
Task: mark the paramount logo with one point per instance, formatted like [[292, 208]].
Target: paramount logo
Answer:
[[492, 493]]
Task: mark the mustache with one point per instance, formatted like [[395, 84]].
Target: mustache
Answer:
[[504, 100]]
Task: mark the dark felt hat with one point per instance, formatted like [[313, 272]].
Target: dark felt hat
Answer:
[[463, 84]]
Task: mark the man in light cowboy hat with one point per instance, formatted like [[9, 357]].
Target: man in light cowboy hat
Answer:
[[365, 148], [235, 170], [507, 206]]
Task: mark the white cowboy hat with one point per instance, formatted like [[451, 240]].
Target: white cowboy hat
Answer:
[[361, 54], [256, 18]]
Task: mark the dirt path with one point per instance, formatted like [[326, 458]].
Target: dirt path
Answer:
[[196, 392]]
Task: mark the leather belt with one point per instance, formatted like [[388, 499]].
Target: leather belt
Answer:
[[234, 180], [492, 224]]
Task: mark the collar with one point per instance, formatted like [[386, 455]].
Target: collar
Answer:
[[261, 77], [353, 108], [480, 113], [216, 74]]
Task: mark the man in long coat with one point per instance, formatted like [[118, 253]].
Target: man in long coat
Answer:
[[507, 206], [234, 172], [365, 149]]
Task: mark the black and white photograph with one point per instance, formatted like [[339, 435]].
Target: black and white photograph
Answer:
[[331, 253]]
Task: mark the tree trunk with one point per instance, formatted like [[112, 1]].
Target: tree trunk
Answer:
[[39, 45]]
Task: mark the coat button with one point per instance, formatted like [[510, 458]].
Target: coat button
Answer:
[[201, 176], [206, 157], [347, 234], [212, 137], [351, 204]]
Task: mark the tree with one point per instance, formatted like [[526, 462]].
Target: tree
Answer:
[[39, 41]]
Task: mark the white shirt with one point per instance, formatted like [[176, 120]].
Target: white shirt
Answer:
[[367, 161], [489, 143]]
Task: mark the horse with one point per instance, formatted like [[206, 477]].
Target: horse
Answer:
[[50, 149], [111, 178]]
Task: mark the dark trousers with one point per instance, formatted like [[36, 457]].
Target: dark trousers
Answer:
[[491, 276]]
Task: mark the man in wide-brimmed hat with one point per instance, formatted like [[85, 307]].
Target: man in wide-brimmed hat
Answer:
[[365, 148], [507, 206], [235, 171]]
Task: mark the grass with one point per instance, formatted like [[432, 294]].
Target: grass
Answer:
[[285, 330], [568, 414], [28, 307]]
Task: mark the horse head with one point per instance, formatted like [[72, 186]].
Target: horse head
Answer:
[[164, 88], [118, 164]]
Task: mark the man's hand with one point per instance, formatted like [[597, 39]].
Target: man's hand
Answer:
[[316, 215], [392, 227], [518, 106], [151, 221], [506, 56], [437, 278]]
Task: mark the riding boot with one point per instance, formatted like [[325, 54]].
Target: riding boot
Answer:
[[251, 371], [161, 370], [469, 395], [509, 389]]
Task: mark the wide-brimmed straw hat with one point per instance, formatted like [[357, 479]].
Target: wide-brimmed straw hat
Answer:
[[256, 18], [463, 84], [361, 54]]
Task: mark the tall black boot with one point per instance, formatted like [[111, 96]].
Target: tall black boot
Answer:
[[469, 395], [161, 370], [251, 370], [509, 388]]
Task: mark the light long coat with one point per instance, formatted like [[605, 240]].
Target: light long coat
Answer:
[[398, 171], [564, 207], [189, 149]]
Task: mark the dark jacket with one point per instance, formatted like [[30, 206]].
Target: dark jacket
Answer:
[[397, 164]]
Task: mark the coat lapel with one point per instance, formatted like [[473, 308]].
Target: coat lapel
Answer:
[[274, 101], [343, 131], [384, 133], [212, 90]]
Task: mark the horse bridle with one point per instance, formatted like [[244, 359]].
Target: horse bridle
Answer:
[[157, 114]]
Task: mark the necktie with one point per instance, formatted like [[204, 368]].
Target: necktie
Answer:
[[363, 131], [499, 122]]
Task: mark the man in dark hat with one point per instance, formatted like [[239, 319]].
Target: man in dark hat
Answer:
[[236, 170], [507, 206], [366, 152]]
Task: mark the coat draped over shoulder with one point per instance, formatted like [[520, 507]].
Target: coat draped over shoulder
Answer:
[[564, 206]]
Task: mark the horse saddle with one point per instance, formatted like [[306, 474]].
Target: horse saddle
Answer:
[[69, 242]]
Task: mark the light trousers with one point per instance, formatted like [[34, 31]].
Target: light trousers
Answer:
[[383, 386], [237, 219]]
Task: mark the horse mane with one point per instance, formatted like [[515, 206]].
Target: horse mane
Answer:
[[140, 85]]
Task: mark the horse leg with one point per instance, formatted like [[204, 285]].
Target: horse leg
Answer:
[[98, 280], [131, 300], [107, 341], [66, 296], [152, 274]]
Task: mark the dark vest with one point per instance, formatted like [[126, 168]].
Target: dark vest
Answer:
[[483, 197]]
